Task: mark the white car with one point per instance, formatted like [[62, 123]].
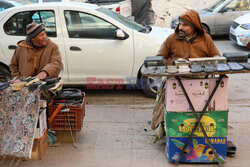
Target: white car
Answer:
[[240, 31], [123, 7], [96, 44]]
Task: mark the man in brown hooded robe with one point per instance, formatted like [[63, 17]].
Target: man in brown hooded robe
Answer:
[[188, 41], [36, 56]]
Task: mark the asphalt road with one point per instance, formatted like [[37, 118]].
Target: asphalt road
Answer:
[[131, 97]]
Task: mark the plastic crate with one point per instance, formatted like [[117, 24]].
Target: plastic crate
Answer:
[[68, 120]]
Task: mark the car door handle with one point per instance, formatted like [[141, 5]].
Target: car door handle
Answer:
[[12, 46], [75, 48]]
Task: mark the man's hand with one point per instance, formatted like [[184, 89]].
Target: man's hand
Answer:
[[41, 75], [15, 80]]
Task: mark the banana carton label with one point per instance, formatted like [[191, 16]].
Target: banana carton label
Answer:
[[180, 124], [197, 149]]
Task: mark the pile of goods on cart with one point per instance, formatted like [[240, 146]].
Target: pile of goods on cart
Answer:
[[41, 113], [227, 62]]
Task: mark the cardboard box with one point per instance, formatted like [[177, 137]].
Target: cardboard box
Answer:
[[198, 91], [219, 101], [180, 124], [41, 125], [40, 146], [198, 150], [66, 136]]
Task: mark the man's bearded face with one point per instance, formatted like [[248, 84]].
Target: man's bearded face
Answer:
[[185, 30]]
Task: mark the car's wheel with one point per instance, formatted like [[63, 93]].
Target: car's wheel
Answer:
[[4, 74], [206, 29], [150, 85]]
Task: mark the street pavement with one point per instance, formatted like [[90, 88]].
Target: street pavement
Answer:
[[116, 132]]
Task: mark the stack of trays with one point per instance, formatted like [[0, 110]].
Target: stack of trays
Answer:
[[179, 120]]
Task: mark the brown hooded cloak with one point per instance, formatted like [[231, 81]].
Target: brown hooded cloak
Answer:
[[29, 60], [175, 47]]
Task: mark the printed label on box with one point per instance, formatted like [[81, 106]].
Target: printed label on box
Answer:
[[197, 90], [219, 101], [197, 150], [180, 124]]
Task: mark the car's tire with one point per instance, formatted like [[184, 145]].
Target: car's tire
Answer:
[[150, 85], [206, 29], [4, 74]]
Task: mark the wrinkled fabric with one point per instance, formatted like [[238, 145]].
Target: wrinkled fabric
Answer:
[[158, 113], [29, 60], [18, 119], [201, 45]]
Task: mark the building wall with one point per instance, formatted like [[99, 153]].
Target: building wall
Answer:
[[165, 10]]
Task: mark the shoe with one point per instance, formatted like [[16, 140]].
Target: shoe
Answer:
[[230, 154], [32, 80], [196, 68], [183, 69], [245, 65], [52, 80], [160, 69], [18, 85], [154, 61], [4, 85], [231, 147], [34, 86], [47, 86], [222, 67], [235, 66], [149, 70], [236, 57], [171, 69], [181, 60], [209, 68]]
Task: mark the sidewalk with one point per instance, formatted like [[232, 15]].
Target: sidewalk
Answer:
[[120, 136]]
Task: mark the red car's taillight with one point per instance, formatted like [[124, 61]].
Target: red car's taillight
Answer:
[[117, 10]]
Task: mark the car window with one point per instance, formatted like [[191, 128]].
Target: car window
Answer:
[[16, 25], [216, 5], [5, 5], [237, 5], [123, 20], [83, 25]]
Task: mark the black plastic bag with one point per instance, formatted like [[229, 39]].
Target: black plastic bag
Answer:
[[69, 94]]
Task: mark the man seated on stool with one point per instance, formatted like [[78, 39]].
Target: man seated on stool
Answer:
[[36, 56], [188, 41]]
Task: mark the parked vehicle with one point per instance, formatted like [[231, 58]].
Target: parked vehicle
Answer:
[[217, 18], [5, 4], [93, 41], [123, 7], [240, 31]]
